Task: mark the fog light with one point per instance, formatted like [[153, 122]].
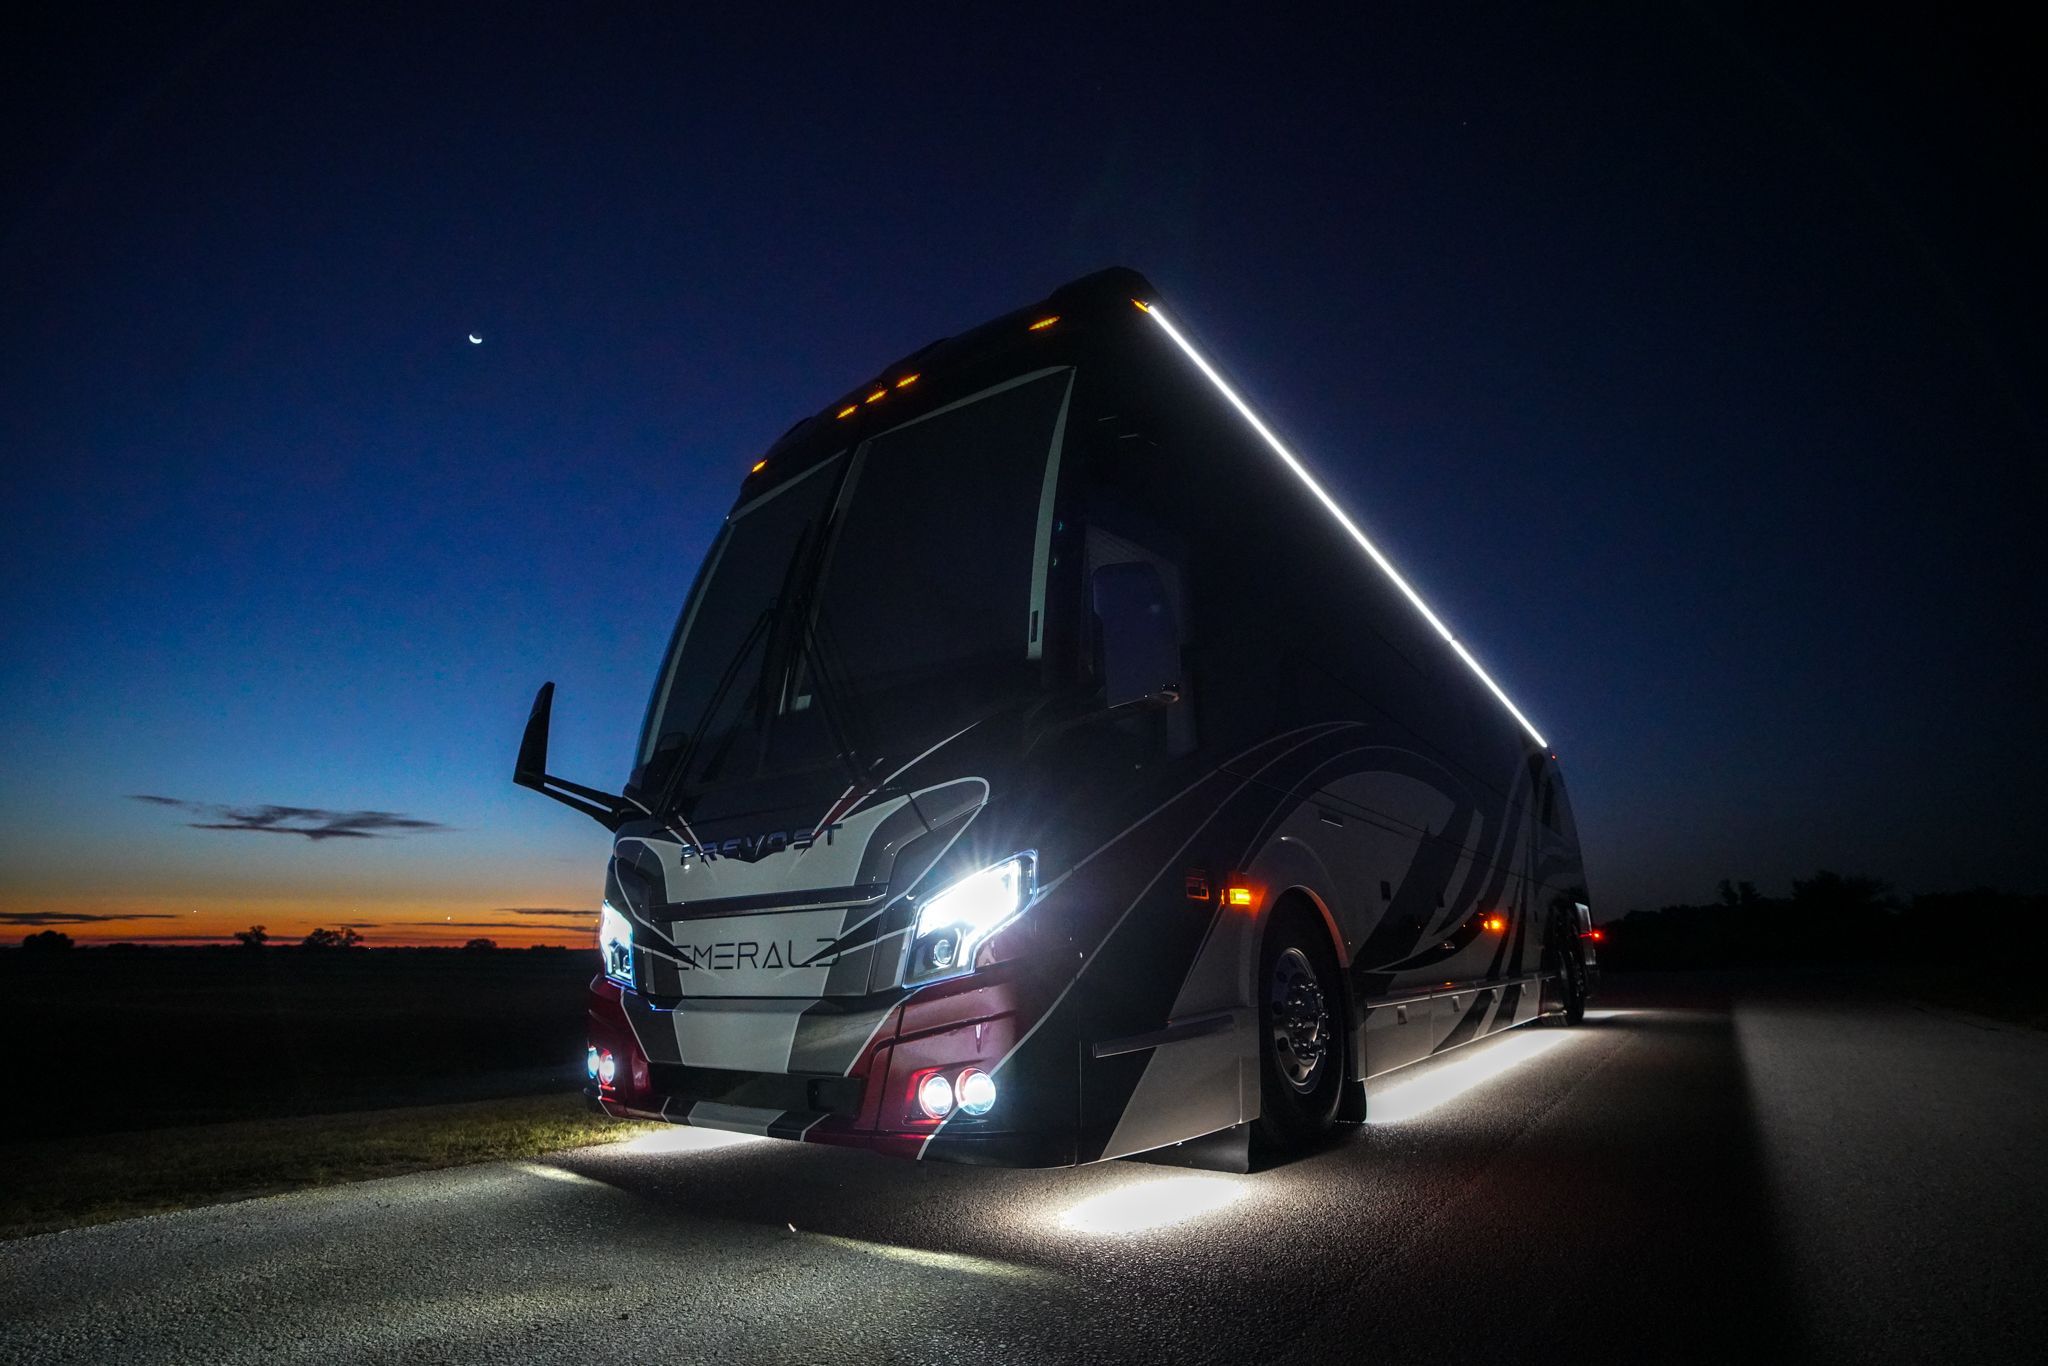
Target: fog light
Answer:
[[607, 1067], [935, 1096], [590, 1063], [977, 1092]]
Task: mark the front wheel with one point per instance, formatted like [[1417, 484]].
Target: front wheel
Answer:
[[1572, 986], [1301, 1037]]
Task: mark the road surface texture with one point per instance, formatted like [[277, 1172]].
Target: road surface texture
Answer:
[[1707, 1170]]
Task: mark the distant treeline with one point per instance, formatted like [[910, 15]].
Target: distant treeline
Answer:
[[1830, 919], [55, 941]]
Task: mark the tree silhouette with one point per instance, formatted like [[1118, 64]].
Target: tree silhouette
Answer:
[[480, 946], [1739, 894], [46, 941], [331, 939], [253, 937]]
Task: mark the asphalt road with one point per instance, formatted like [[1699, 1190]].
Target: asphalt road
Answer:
[[1702, 1172]]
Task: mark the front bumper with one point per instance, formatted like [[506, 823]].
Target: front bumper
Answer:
[[973, 1022]]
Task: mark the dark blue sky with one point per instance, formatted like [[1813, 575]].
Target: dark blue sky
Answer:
[[1690, 365]]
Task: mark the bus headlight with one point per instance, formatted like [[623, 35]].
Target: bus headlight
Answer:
[[955, 922], [615, 945]]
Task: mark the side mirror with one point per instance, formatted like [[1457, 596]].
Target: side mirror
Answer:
[[1140, 640], [530, 770]]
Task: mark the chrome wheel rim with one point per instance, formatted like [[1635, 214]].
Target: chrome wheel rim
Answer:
[[1300, 1017]]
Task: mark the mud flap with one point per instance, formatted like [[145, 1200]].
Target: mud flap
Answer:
[[1351, 1105], [1226, 1150]]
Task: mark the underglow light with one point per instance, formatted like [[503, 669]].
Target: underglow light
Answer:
[[1043, 323], [1322, 496], [547, 1173], [681, 1139], [1414, 1096], [1143, 1206], [939, 1261]]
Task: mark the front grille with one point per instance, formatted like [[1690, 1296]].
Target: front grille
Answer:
[[820, 1093]]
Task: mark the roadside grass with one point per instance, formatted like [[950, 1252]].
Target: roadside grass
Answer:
[[69, 1183]]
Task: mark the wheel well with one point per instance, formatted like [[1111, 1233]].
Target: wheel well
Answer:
[[1300, 901]]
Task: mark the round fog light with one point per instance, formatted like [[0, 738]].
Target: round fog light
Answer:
[[935, 1096], [590, 1063], [607, 1068], [977, 1092]]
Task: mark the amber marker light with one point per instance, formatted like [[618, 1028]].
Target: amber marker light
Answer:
[[1142, 306], [759, 465], [1043, 323], [849, 410], [1496, 923], [906, 381], [1240, 896]]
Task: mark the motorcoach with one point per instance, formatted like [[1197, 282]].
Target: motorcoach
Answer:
[[1045, 768]]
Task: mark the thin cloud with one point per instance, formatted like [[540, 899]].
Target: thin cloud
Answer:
[[580, 927], [556, 911], [313, 822], [74, 917]]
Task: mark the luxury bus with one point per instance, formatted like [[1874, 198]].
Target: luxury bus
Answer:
[[1045, 768]]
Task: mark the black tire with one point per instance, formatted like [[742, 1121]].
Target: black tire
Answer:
[[1302, 1060], [1571, 985]]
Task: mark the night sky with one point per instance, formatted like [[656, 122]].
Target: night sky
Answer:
[[1690, 364]]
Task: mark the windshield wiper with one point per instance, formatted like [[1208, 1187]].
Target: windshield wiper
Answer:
[[687, 758], [671, 789], [834, 698]]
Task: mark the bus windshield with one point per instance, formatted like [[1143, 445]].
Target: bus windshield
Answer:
[[874, 604]]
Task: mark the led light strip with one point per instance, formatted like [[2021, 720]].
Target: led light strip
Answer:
[[1152, 311]]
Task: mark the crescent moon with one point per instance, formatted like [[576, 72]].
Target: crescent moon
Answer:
[[475, 340]]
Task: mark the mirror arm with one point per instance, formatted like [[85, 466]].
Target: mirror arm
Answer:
[[530, 771]]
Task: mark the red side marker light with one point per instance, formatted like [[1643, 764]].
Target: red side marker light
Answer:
[[1595, 935]]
